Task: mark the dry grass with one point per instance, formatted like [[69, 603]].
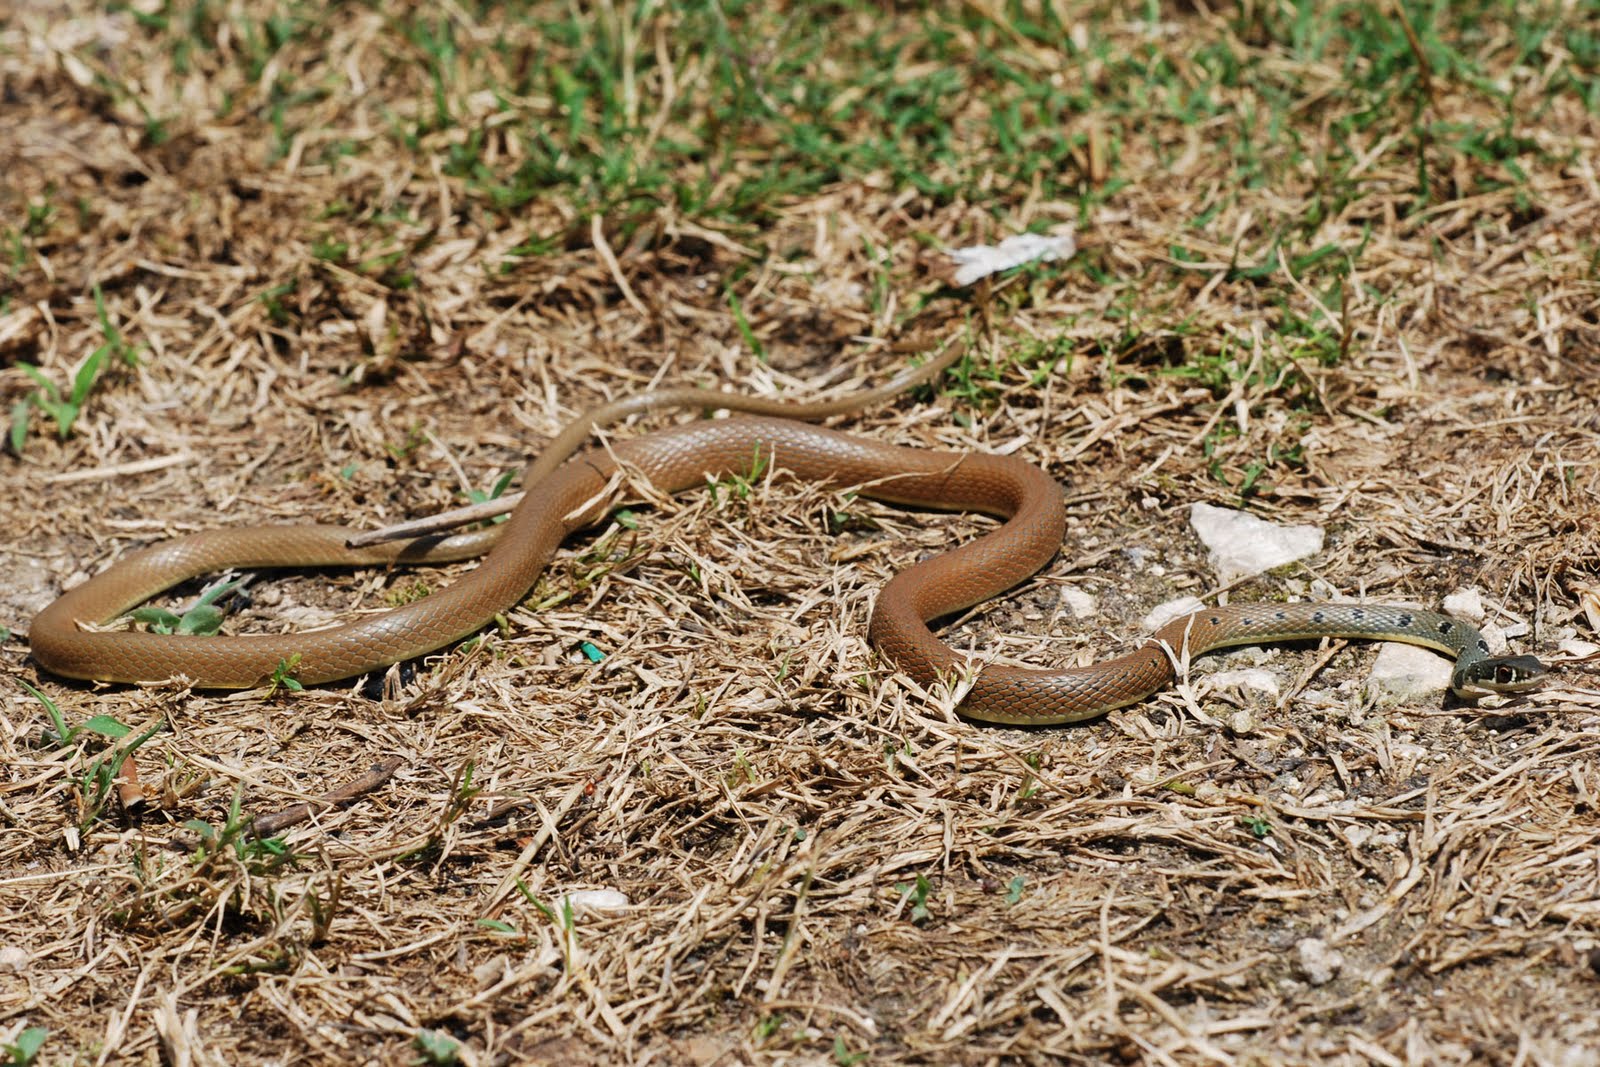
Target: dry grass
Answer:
[[821, 863]]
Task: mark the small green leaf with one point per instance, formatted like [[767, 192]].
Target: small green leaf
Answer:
[[590, 652], [160, 620], [745, 331], [843, 1056], [106, 726], [63, 734], [917, 893], [499, 926], [1257, 825], [1014, 890], [437, 1048], [202, 620], [46, 386], [216, 592], [25, 1049], [284, 675], [83, 381], [20, 411]]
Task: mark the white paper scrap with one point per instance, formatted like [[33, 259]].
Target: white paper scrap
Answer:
[[980, 261]]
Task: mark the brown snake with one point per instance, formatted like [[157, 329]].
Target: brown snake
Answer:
[[578, 493]]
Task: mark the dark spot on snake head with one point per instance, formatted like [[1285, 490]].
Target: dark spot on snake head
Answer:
[[1446, 626], [1406, 620], [1215, 620], [1483, 646]]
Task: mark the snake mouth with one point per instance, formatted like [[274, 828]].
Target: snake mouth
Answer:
[[1502, 674]]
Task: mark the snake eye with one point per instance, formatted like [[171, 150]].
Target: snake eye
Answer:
[[1512, 674]]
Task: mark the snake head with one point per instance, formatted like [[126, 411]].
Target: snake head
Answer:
[[1499, 674]]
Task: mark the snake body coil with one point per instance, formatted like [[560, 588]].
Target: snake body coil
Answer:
[[576, 494]]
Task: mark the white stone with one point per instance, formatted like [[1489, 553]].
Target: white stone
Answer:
[[603, 901], [1465, 604], [1250, 681], [1242, 545], [1318, 962], [1162, 614], [1405, 673], [1573, 646], [1082, 604], [1496, 638]]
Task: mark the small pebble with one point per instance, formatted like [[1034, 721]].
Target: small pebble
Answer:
[[1465, 604], [1318, 962]]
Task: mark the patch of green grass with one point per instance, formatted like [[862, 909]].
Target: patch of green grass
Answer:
[[728, 111], [408, 593], [230, 874], [462, 793], [742, 773], [103, 725], [739, 485], [202, 619], [65, 405], [274, 299], [615, 551], [234, 841], [94, 784]]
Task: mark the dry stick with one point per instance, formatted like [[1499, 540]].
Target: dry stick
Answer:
[[578, 430], [120, 470], [377, 774], [597, 234], [432, 524]]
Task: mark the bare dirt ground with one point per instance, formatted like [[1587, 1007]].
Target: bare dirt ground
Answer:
[[821, 864]]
